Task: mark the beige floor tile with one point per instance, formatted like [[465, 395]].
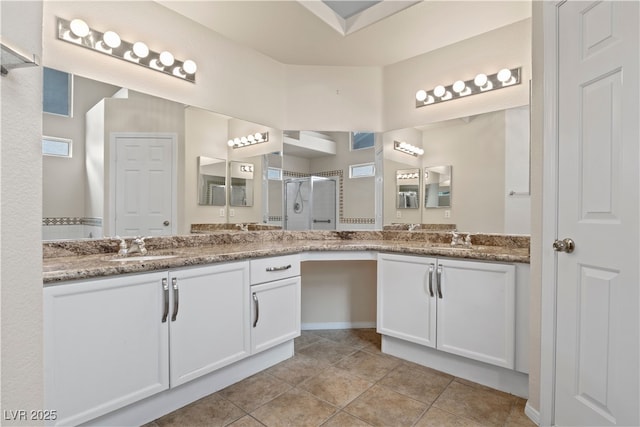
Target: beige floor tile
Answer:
[[335, 386], [485, 406], [246, 421], [255, 391], [417, 382], [435, 417], [210, 411], [343, 336], [297, 369], [305, 339], [295, 408], [517, 417], [484, 387], [380, 406], [372, 341], [327, 351], [342, 419], [368, 366]]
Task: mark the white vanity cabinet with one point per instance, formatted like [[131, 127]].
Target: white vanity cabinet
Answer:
[[209, 319], [275, 299], [105, 345], [461, 307], [111, 342]]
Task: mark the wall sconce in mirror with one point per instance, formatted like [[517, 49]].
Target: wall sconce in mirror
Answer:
[[12, 58], [459, 89], [79, 33], [407, 148], [253, 139]]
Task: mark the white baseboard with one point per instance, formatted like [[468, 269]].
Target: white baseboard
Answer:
[[533, 414], [337, 325]]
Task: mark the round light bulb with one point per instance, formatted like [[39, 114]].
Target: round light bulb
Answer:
[[459, 86], [244, 140], [230, 143], [439, 91], [79, 28], [421, 95], [480, 80], [504, 75], [140, 50], [421, 152], [251, 138], [166, 59], [258, 136], [189, 66], [236, 141], [111, 39]]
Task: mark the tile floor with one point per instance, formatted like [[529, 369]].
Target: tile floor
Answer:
[[340, 378]]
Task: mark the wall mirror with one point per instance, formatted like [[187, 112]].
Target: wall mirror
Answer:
[[408, 188], [212, 174], [241, 184], [329, 180], [490, 154], [77, 203], [437, 186]]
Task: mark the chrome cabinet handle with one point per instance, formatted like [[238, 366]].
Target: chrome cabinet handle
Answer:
[[176, 295], [567, 245], [284, 267], [257, 304], [165, 292], [431, 280], [439, 281]]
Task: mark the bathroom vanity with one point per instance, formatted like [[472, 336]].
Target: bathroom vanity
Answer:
[[127, 341]]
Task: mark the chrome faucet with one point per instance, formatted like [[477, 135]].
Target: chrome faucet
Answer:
[[413, 227], [467, 240], [455, 238], [137, 246], [242, 227]]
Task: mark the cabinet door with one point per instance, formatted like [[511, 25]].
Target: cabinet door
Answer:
[[406, 298], [476, 311], [275, 316], [209, 319], [105, 345]]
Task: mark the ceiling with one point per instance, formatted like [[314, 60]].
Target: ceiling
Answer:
[[312, 32]]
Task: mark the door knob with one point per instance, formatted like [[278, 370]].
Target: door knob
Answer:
[[567, 245], [166, 223]]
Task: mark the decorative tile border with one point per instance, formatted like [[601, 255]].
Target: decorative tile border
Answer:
[[71, 220]]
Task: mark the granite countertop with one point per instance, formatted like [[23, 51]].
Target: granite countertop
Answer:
[[65, 261]]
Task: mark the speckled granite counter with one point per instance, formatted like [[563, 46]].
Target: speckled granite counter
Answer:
[[73, 260]]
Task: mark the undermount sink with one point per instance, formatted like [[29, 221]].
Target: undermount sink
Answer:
[[141, 258]]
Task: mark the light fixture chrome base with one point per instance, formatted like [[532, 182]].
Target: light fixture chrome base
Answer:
[[94, 41]]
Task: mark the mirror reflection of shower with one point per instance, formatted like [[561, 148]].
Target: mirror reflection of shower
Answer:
[[310, 203]]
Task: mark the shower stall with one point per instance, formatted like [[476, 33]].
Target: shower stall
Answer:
[[310, 203]]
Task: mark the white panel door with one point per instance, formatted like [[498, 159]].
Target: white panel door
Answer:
[[476, 311], [105, 345], [275, 317], [597, 354], [209, 320], [407, 298], [144, 189]]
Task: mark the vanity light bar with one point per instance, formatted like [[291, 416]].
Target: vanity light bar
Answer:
[[253, 139], [414, 175], [109, 43], [407, 148], [459, 89]]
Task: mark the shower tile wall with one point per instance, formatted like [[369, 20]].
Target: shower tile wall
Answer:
[[298, 219]]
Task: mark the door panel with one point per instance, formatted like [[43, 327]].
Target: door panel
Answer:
[[598, 199], [144, 189]]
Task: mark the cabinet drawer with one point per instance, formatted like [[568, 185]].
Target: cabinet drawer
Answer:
[[274, 268]]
